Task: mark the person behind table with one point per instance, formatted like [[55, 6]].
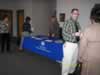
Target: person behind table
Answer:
[[5, 34], [27, 29], [71, 27], [27, 25], [89, 52], [54, 27]]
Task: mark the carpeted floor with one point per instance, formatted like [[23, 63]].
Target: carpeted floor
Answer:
[[26, 64]]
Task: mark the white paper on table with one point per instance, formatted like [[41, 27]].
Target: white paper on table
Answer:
[[58, 41], [70, 53], [48, 40]]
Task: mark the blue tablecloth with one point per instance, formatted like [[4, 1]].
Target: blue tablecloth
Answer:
[[39, 45]]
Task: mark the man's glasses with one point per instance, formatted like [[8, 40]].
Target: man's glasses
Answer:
[[76, 14]]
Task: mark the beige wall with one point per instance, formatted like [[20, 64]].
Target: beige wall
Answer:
[[42, 10]]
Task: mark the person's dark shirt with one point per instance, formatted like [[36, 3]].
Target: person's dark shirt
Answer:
[[54, 28], [27, 27]]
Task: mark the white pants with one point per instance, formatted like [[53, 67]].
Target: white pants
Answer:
[[70, 53], [22, 38]]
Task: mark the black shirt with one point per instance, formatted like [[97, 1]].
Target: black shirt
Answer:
[[27, 27]]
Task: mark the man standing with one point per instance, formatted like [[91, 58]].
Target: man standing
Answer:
[[5, 35], [71, 28], [70, 33], [54, 27]]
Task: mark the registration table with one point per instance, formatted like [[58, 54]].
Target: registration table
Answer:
[[54, 49], [45, 46]]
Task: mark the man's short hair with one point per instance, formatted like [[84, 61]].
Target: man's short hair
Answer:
[[95, 13], [53, 16], [5, 16], [74, 9], [28, 18]]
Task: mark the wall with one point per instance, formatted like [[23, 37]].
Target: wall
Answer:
[[65, 6], [26, 5], [42, 10]]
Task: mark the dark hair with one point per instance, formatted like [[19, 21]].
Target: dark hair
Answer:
[[5, 16], [27, 18], [74, 9], [95, 13], [53, 16]]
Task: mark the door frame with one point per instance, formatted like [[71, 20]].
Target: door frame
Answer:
[[11, 12], [17, 14]]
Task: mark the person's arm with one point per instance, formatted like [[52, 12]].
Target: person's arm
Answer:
[[56, 29], [32, 29], [0, 28], [49, 30], [77, 34], [83, 45], [29, 28]]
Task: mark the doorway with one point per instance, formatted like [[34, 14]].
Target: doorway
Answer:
[[20, 22]]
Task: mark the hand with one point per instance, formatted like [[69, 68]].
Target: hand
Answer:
[[77, 34], [80, 59], [6, 25], [53, 35], [32, 29], [48, 34], [81, 35]]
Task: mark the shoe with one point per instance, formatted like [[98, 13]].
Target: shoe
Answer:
[[19, 50]]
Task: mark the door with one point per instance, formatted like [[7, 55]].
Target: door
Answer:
[[20, 22], [9, 13]]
